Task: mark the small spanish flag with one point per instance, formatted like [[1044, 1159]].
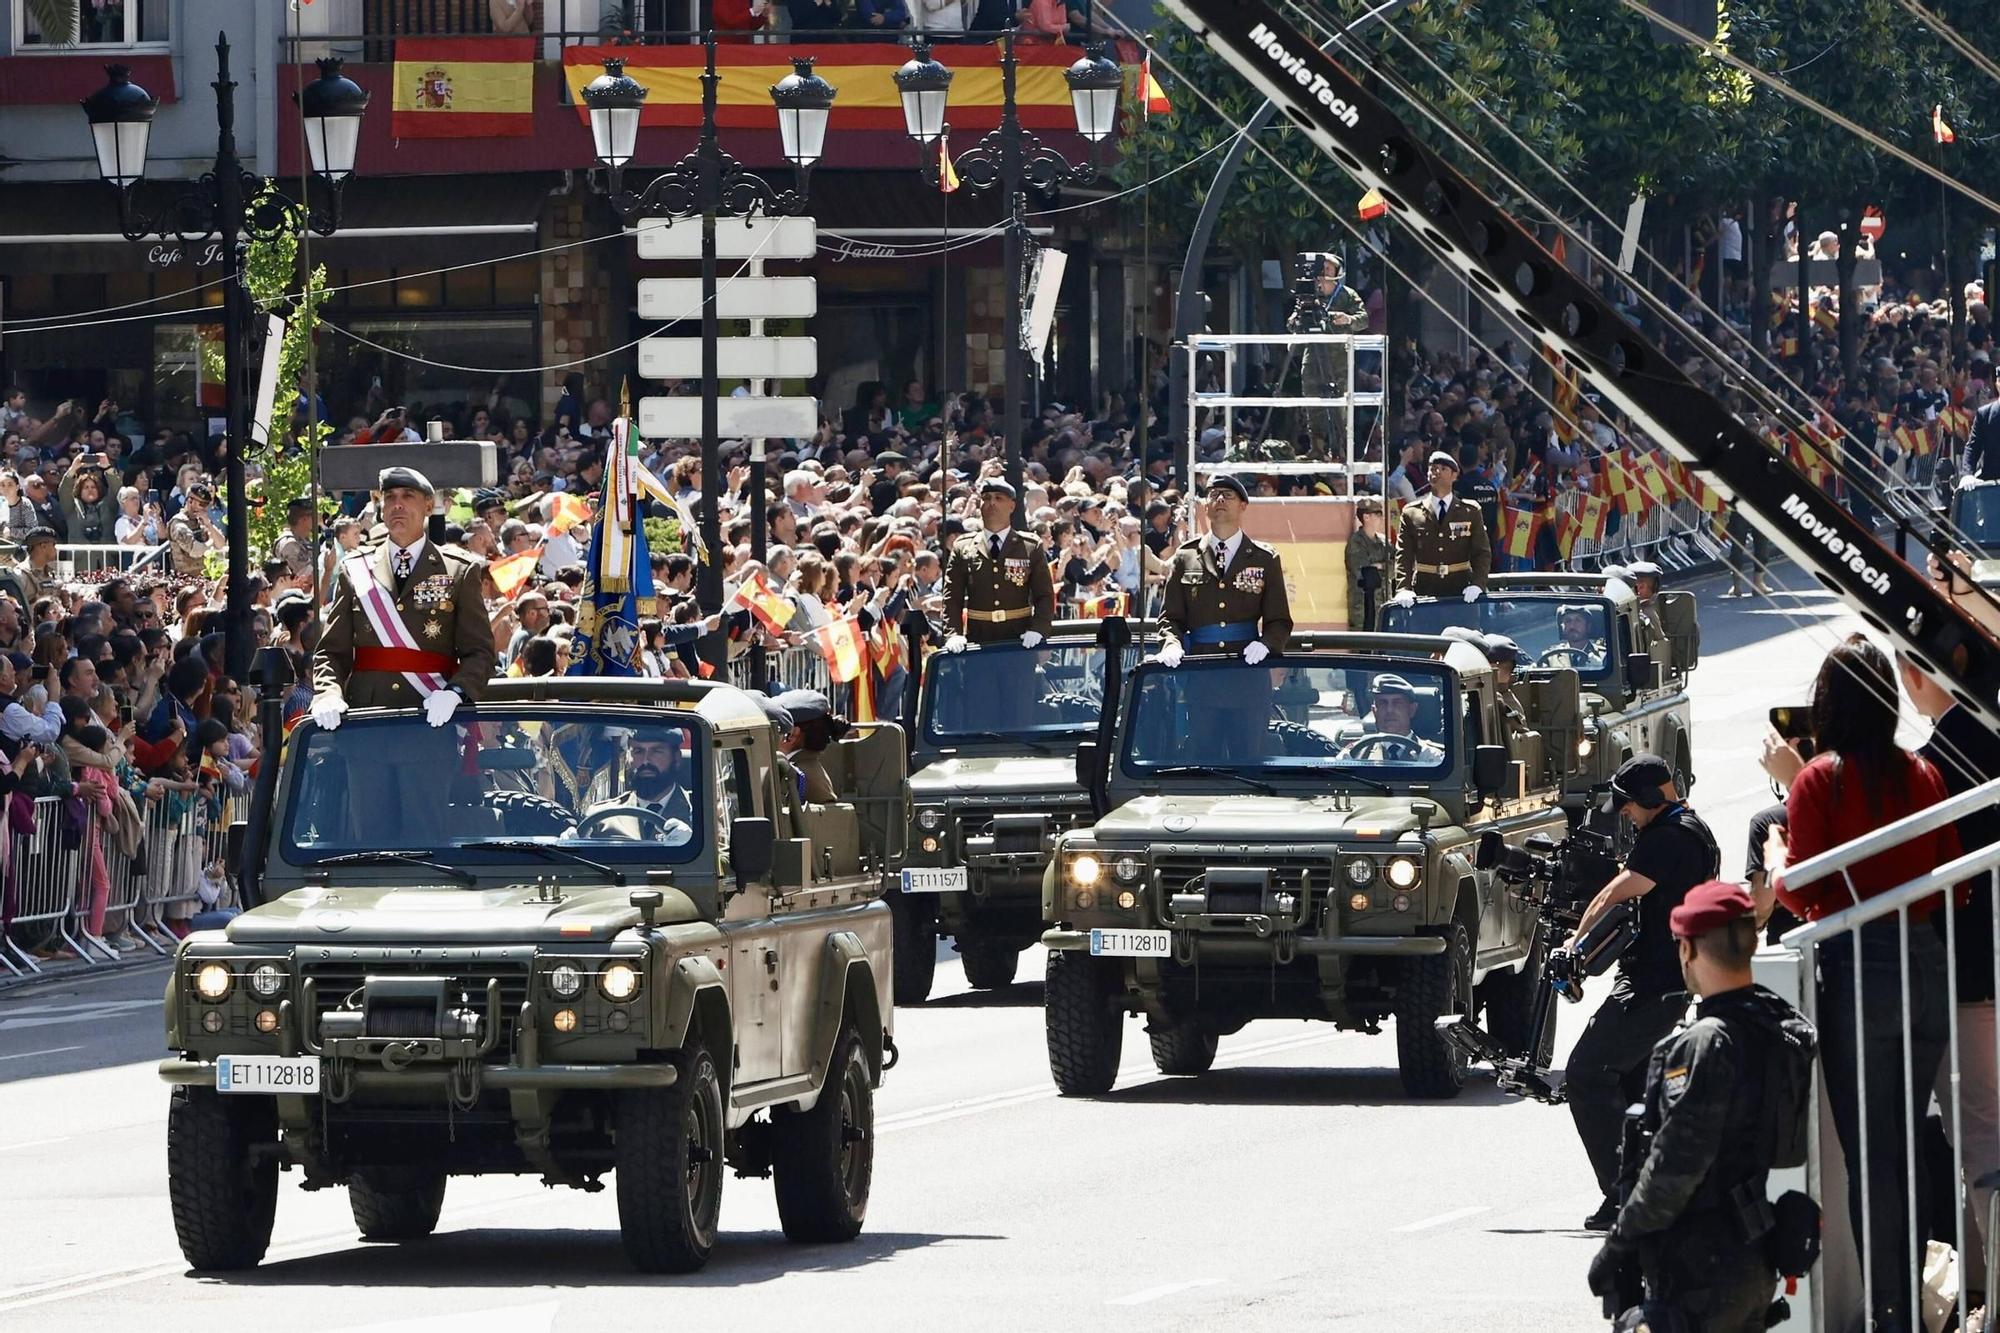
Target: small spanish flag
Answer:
[[570, 511], [947, 174], [1372, 206], [886, 647], [1150, 89], [513, 571], [764, 602], [840, 644], [1939, 130], [1518, 530]]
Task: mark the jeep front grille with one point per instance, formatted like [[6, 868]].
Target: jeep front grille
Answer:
[[979, 823], [338, 980], [1311, 875]]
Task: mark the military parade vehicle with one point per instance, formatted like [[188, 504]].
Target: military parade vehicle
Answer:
[[992, 784], [583, 931], [1297, 840], [1631, 662]]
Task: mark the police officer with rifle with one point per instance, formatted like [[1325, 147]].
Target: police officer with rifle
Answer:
[[1727, 1099], [1673, 852]]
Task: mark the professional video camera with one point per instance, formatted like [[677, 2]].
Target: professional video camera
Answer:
[[1558, 880]]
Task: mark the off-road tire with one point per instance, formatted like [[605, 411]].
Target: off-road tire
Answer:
[[527, 814], [823, 1160], [1188, 1047], [1510, 1003], [990, 966], [669, 1167], [387, 1207], [915, 948], [1427, 990], [1085, 1032], [223, 1205]]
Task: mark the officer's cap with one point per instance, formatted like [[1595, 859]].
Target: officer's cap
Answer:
[[404, 478], [805, 705], [1639, 772], [1500, 648], [36, 536], [1391, 683], [1709, 906], [1222, 481], [1574, 609], [780, 716], [997, 486], [1439, 458], [1367, 506]]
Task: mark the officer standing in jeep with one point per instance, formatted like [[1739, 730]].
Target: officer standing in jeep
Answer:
[[1674, 851], [1226, 592], [996, 581], [1442, 547], [1727, 1099]]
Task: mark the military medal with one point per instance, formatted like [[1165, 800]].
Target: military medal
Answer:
[[1250, 580], [433, 628], [1017, 571]]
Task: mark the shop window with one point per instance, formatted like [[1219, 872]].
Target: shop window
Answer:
[[103, 23], [468, 288], [420, 293], [516, 282], [421, 369], [365, 288]]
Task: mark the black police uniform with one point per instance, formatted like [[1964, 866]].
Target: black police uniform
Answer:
[[1726, 1101], [1606, 1069]]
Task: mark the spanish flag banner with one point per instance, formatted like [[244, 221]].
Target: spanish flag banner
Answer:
[[947, 173], [1625, 490], [1940, 131], [1593, 513], [1956, 421], [764, 602], [1518, 530], [464, 88], [513, 571], [885, 645], [1372, 206], [841, 645], [1150, 89], [1913, 440]]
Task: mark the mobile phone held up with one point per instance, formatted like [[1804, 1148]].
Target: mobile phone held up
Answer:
[[1793, 722]]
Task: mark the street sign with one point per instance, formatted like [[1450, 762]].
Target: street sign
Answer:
[[741, 297], [736, 358], [737, 418], [447, 465], [735, 238]]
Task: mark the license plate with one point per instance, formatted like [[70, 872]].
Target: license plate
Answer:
[[267, 1074], [934, 879], [1131, 943]]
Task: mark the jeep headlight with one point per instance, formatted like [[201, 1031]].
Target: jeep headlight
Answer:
[[212, 982], [930, 818], [267, 979], [1360, 872], [1583, 748], [1126, 869], [1086, 869], [1402, 872], [619, 982], [565, 980]]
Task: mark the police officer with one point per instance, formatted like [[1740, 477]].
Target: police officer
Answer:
[[1726, 1100], [1442, 548], [1225, 593], [1367, 551], [1673, 852], [996, 580], [1326, 305]]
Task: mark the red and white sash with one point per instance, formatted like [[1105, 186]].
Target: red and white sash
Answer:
[[386, 620]]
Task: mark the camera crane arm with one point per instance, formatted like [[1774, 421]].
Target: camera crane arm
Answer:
[[1465, 229]]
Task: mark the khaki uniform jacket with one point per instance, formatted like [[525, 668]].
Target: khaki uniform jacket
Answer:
[[297, 558], [186, 546], [1364, 551], [442, 604], [1200, 593], [678, 830], [1423, 543], [1018, 584]]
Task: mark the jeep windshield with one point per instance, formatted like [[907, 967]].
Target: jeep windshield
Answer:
[[625, 791], [1377, 719], [1002, 691], [1554, 630]]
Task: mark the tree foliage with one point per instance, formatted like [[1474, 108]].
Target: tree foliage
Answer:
[[271, 276]]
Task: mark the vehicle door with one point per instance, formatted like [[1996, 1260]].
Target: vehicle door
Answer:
[[755, 950]]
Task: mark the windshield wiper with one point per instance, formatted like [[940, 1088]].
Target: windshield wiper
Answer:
[[1212, 771], [548, 851], [459, 873], [1376, 783], [1001, 738]]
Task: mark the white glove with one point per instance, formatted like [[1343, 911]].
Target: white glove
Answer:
[[1473, 592], [1404, 598], [1967, 480], [1256, 652], [439, 706], [327, 712], [1031, 639], [955, 643], [1169, 654]]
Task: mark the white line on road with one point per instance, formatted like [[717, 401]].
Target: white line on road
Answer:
[[53, 1050], [1152, 1294], [35, 1143], [1445, 1219]]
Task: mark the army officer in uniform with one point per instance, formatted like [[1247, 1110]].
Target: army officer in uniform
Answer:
[[1442, 549], [996, 581], [1226, 593]]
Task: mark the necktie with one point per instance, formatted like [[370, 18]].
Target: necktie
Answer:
[[996, 545], [404, 563]]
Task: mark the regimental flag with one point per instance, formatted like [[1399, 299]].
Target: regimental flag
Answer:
[[947, 173], [617, 590], [1149, 89], [764, 602], [1518, 530], [464, 88], [1939, 130], [511, 572], [1372, 206], [570, 510], [841, 644]]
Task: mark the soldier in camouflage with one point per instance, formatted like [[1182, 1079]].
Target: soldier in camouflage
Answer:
[[1326, 304]]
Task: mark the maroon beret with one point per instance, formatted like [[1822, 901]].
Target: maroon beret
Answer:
[[1709, 906]]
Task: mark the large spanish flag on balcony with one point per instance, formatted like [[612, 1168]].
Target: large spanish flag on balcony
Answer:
[[464, 87], [862, 71]]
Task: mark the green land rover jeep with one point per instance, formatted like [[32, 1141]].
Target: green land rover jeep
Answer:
[[1297, 840], [582, 931]]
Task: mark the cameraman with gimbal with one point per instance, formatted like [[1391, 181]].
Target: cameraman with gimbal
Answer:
[[1673, 852], [1322, 302]]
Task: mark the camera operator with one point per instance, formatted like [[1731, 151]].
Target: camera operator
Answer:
[[1322, 302], [1673, 852], [1726, 1100]]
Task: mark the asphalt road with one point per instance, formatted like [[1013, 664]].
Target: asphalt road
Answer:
[[1292, 1187]]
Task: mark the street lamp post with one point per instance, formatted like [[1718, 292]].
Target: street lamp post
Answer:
[[711, 184], [1012, 159], [219, 204]]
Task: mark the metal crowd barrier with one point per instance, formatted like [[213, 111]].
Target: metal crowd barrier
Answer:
[[1857, 972], [75, 560]]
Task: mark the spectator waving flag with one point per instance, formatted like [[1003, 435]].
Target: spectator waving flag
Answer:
[[618, 590], [514, 570], [570, 510], [764, 601]]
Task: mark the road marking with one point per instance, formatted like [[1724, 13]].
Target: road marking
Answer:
[[85, 1011], [1444, 1219], [53, 1050], [1152, 1294], [503, 1319], [35, 1143]]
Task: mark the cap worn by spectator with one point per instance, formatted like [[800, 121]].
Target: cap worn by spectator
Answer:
[[1638, 782], [1709, 906], [1225, 482]]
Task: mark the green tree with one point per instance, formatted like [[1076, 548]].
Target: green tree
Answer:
[[56, 20], [286, 459]]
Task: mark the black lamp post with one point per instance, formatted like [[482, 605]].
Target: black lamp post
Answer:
[[219, 204], [1012, 159], [711, 184]]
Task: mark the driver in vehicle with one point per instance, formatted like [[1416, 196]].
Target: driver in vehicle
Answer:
[[1575, 647], [1390, 736], [656, 805]]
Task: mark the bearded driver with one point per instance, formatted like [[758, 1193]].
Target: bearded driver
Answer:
[[1226, 593], [662, 810]]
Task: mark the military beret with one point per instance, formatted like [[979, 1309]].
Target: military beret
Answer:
[[1224, 482], [890, 456], [1709, 906], [1391, 683], [805, 705], [780, 716], [1500, 648], [1439, 458], [404, 478], [1643, 569], [997, 484]]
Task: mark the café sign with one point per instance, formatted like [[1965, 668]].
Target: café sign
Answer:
[[172, 254]]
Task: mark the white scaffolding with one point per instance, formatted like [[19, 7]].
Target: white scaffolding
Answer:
[[1365, 353]]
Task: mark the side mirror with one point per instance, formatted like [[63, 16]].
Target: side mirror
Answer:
[[1086, 764], [1639, 671], [1489, 768], [1490, 843], [752, 844]]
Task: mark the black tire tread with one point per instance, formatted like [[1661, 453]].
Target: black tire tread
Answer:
[[1426, 1062], [1085, 1034], [813, 1207], [222, 1207], [400, 1212], [1185, 1048], [990, 966], [651, 1170], [914, 967]]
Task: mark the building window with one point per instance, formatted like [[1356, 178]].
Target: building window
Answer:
[[104, 23]]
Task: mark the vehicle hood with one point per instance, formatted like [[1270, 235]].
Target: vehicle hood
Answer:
[[995, 775], [447, 915], [1229, 817]]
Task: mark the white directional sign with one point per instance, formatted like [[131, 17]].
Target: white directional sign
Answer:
[[680, 418], [736, 358], [735, 238], [741, 297]]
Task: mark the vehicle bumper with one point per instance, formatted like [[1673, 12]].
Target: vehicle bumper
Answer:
[[1350, 946], [501, 1078]]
